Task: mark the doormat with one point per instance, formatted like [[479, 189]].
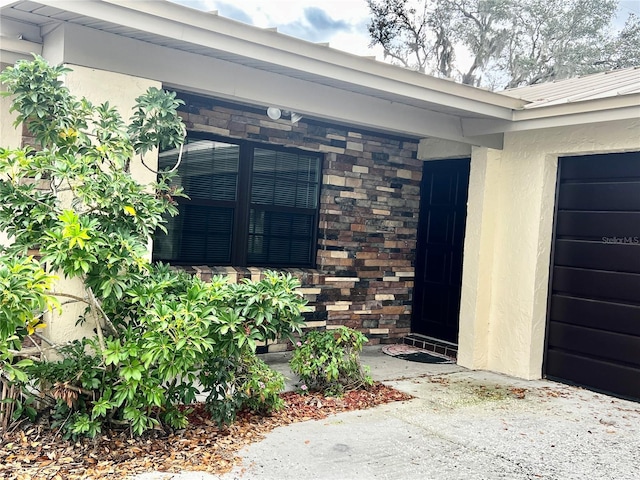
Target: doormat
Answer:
[[414, 354]]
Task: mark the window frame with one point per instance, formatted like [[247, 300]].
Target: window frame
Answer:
[[239, 254]]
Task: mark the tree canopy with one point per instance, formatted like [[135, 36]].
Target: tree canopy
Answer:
[[504, 43]]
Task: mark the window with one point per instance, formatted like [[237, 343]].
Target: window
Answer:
[[249, 204]]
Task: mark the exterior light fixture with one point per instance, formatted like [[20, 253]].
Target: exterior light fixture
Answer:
[[274, 113]]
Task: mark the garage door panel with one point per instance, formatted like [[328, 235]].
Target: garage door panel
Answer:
[[598, 374], [586, 312], [606, 166], [593, 323], [620, 257], [596, 284], [610, 196], [600, 344], [598, 225]]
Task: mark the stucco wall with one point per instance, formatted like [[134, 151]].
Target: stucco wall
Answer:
[[478, 260], [120, 91], [10, 137], [508, 242]]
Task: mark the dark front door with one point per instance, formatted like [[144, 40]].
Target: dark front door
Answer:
[[593, 326], [438, 280]]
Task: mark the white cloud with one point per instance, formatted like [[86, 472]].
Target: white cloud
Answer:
[[341, 23]]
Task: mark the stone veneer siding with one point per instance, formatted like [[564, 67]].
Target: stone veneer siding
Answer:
[[367, 224]]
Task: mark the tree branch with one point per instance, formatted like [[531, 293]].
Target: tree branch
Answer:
[[28, 352], [97, 305], [68, 295], [93, 302]]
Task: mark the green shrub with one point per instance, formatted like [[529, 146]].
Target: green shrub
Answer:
[[24, 294], [184, 332], [247, 313], [239, 383], [329, 361], [67, 388], [261, 386], [157, 331]]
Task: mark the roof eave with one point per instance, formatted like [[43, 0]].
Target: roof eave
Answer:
[[623, 107], [211, 31]]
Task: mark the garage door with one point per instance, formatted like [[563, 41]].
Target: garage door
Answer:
[[593, 325]]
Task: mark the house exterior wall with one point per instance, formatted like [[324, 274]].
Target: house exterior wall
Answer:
[[508, 242], [368, 217], [10, 137]]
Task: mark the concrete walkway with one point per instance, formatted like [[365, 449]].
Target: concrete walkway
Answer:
[[461, 425]]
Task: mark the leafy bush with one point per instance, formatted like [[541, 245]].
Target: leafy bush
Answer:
[[157, 331], [244, 382], [24, 287], [199, 333], [329, 361], [67, 388], [248, 313], [261, 386]]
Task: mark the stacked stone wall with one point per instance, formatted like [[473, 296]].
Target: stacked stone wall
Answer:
[[368, 217]]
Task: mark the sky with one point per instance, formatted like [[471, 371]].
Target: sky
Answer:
[[341, 23]]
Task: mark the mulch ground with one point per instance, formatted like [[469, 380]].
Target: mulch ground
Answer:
[[35, 452]]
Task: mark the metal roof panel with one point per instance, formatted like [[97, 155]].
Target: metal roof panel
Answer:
[[589, 87]]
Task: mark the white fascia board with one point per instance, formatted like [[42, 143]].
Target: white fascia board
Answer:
[[20, 47], [218, 78], [198, 28], [624, 107], [572, 108], [628, 113], [11, 57]]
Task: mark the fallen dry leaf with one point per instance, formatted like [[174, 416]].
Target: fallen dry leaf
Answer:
[[37, 453], [518, 393]]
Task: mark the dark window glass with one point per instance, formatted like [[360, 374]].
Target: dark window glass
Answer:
[[262, 214], [280, 238]]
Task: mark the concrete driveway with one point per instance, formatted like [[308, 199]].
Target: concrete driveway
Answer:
[[461, 425]]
